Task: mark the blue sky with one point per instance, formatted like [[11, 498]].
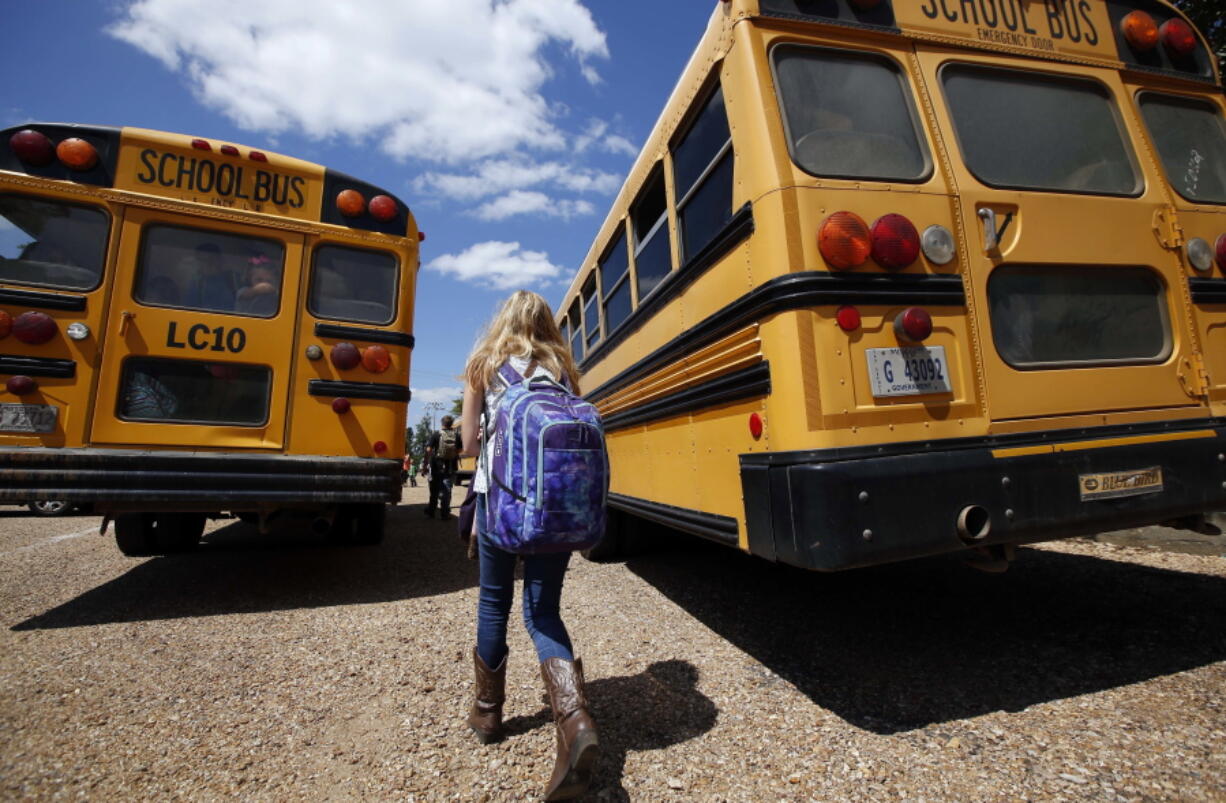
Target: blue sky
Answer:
[[506, 125]]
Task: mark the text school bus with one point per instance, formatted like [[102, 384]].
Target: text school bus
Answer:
[[189, 326], [892, 279]]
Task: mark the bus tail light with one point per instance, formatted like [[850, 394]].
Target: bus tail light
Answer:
[[1219, 247], [844, 241], [1140, 30], [376, 359], [350, 203], [938, 244], [1178, 37], [340, 405], [848, 318], [20, 385], [382, 208], [1200, 254], [345, 356], [33, 147], [77, 154], [896, 243], [380, 447], [6, 324], [34, 328], [913, 324], [755, 425]]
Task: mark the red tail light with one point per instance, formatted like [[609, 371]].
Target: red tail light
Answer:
[[913, 324], [380, 447], [340, 405], [34, 328], [32, 147], [755, 425], [20, 385], [382, 208], [848, 318], [896, 243], [77, 154], [345, 356], [1140, 30], [1178, 36], [6, 322], [350, 203], [1219, 247], [376, 359], [844, 241]]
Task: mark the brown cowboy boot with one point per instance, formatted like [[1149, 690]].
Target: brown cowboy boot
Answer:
[[577, 743], [485, 717]]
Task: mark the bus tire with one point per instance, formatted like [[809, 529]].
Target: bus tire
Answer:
[[610, 548], [134, 535], [178, 532], [369, 524]]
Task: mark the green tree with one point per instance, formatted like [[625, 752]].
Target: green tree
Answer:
[[457, 406], [420, 436], [1208, 17]]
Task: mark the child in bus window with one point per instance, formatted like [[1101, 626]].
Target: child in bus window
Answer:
[[259, 295]]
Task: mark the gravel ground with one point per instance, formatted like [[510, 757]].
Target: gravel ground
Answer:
[[281, 668]]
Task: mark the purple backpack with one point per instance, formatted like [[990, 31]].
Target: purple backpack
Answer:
[[549, 473]]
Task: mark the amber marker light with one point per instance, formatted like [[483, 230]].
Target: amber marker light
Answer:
[[33, 147], [1139, 30], [382, 208], [376, 359], [77, 154], [6, 324], [844, 240], [350, 203]]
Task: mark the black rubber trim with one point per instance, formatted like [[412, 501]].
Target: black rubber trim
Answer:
[[1208, 291], [1051, 436], [33, 298], [364, 335], [38, 366], [791, 292], [746, 383], [736, 230], [722, 529], [359, 390], [221, 478]]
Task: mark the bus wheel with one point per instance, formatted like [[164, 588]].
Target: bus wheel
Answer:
[[612, 546], [178, 532], [369, 524], [134, 534]]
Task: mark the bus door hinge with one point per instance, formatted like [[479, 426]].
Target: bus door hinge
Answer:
[[1193, 376], [1166, 227]]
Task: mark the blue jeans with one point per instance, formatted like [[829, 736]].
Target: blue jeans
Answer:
[[542, 597]]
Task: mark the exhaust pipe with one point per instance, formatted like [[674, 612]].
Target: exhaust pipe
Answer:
[[974, 523]]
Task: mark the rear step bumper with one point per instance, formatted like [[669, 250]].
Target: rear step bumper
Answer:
[[219, 480], [845, 508]]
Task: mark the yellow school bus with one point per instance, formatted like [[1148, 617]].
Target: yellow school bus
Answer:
[[189, 326], [893, 279]]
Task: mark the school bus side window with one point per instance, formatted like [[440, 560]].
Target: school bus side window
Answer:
[[615, 281], [1191, 139], [591, 312], [653, 251], [848, 115], [209, 271], [350, 284], [51, 244], [702, 177], [576, 331], [1039, 131]]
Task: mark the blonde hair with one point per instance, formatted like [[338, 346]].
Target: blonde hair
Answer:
[[522, 327]]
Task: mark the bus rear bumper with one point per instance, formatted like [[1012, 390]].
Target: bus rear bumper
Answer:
[[842, 509], [164, 480]]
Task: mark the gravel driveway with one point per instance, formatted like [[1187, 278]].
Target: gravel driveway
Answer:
[[282, 668]]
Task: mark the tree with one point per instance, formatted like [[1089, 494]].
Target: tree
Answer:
[[457, 406], [1207, 16], [417, 438]]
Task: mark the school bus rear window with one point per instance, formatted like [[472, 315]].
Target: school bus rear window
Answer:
[[350, 284], [1074, 317], [848, 115], [210, 271], [1191, 138], [191, 392], [51, 244], [1038, 131]]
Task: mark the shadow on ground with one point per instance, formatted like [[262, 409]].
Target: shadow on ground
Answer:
[[659, 707], [900, 647], [238, 570]]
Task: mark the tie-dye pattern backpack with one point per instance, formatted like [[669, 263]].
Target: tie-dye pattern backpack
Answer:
[[549, 471]]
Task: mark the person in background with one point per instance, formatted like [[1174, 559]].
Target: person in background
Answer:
[[410, 469], [212, 288], [259, 295], [524, 333], [443, 457]]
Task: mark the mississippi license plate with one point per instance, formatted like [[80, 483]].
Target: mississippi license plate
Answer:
[[28, 417], [1115, 484], [911, 371]]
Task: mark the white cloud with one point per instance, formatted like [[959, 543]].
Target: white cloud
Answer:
[[446, 81], [444, 395], [597, 134], [619, 144], [497, 265], [498, 176], [519, 202]]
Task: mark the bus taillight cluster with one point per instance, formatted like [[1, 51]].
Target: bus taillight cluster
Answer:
[[1201, 255], [352, 203], [36, 149], [846, 242], [1143, 34], [346, 356]]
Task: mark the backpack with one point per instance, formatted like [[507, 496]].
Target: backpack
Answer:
[[448, 441], [549, 470]]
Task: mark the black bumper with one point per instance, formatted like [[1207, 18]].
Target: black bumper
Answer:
[[840, 509], [230, 481]]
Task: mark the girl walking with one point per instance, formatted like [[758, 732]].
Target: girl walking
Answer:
[[523, 333]]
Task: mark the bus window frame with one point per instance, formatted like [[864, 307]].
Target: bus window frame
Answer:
[[657, 172], [673, 209], [574, 320], [106, 246], [163, 422], [625, 277], [311, 262], [905, 84], [138, 276], [591, 337], [1190, 100], [1141, 187]]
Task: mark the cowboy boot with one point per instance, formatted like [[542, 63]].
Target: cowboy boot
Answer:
[[485, 717], [577, 743]]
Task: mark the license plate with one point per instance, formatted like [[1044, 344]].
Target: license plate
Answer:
[[911, 371], [28, 417], [1115, 484]]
